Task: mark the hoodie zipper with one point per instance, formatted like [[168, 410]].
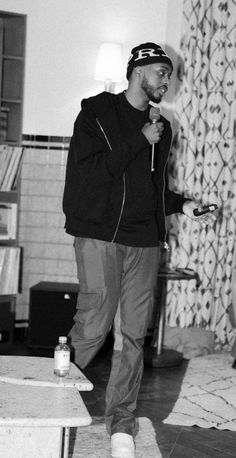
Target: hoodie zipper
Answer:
[[165, 244], [124, 184]]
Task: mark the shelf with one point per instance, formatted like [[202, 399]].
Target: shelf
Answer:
[[14, 121], [11, 142], [7, 318], [12, 57], [9, 196], [4, 100], [12, 79], [14, 34], [9, 57], [6, 243]]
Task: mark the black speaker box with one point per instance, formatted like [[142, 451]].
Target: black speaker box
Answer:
[[51, 311]]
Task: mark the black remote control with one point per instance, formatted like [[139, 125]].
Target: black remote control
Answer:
[[207, 209]]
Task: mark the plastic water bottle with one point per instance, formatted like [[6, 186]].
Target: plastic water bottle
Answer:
[[62, 358]]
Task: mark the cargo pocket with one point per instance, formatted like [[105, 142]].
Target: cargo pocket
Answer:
[[88, 317]]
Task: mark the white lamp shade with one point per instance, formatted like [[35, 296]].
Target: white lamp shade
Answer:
[[109, 63]]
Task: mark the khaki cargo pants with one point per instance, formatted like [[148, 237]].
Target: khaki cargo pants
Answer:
[[112, 275]]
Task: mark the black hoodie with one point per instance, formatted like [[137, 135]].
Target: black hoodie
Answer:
[[98, 167]]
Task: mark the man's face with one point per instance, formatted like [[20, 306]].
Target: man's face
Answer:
[[155, 81]]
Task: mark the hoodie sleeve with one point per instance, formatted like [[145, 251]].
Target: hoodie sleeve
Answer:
[[173, 202]]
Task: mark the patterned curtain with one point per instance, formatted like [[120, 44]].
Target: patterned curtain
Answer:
[[203, 167]]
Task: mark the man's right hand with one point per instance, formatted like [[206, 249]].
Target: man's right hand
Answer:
[[153, 132]]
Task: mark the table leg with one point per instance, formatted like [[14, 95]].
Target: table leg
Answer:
[[66, 442], [161, 325], [156, 355]]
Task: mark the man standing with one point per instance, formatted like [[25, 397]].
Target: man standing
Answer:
[[115, 202]]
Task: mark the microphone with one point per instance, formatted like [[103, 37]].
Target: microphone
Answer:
[[154, 116]]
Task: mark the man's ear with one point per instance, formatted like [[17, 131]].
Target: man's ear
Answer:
[[137, 71]]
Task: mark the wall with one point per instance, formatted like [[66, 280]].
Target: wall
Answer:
[[63, 38], [48, 252]]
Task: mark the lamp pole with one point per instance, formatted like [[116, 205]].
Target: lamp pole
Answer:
[[109, 85]]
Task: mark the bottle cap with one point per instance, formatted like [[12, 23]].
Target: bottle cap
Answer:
[[62, 339]]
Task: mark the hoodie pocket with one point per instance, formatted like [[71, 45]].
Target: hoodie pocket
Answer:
[[94, 206]]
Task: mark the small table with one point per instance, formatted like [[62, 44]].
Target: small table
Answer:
[[38, 371], [37, 408], [155, 355]]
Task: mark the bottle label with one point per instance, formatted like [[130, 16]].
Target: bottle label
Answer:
[[61, 360]]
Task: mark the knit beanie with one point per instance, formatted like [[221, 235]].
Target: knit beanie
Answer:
[[145, 54]]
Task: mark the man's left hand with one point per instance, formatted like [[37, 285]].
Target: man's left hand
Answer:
[[206, 219]]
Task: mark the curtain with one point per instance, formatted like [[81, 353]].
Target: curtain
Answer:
[[203, 168]]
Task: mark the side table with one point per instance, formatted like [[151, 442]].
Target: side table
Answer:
[[155, 355], [37, 408]]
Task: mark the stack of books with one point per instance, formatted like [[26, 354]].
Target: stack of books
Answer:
[[8, 221], [10, 161], [9, 270], [4, 111]]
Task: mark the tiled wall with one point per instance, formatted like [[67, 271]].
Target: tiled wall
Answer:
[[48, 253]]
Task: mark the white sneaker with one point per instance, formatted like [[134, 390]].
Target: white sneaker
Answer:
[[122, 446]]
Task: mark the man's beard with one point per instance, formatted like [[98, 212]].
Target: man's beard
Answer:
[[150, 91]]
